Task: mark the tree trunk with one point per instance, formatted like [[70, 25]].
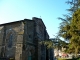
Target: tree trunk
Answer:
[[76, 51]]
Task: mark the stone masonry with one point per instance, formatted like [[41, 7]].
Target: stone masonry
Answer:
[[19, 40]]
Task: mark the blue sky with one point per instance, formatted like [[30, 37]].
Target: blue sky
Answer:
[[49, 10]]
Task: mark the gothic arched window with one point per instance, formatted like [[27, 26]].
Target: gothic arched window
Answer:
[[10, 41]]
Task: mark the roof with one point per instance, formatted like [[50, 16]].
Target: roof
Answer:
[[13, 22]]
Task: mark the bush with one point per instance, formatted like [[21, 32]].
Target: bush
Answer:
[[78, 59]]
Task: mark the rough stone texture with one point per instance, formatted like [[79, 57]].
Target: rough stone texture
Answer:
[[19, 43], [18, 54], [13, 36], [1, 37], [20, 40], [41, 35], [28, 39]]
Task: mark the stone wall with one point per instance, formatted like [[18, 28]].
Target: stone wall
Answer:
[[29, 31], [11, 46], [41, 35], [20, 40], [1, 38], [29, 39]]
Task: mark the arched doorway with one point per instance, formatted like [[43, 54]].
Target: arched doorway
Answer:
[[30, 56]]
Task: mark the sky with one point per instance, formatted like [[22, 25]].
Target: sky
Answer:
[[49, 10]]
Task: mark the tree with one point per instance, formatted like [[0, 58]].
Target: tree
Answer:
[[55, 43], [65, 24], [75, 31], [68, 29], [47, 43]]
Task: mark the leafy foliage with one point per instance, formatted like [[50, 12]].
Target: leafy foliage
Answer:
[[75, 31], [70, 26], [56, 43], [48, 43]]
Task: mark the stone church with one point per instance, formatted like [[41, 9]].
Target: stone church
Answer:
[[19, 40]]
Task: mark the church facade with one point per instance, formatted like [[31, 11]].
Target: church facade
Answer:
[[19, 40]]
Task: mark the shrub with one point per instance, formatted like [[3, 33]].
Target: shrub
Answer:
[[78, 59]]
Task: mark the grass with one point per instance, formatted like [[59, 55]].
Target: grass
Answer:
[[66, 59]]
